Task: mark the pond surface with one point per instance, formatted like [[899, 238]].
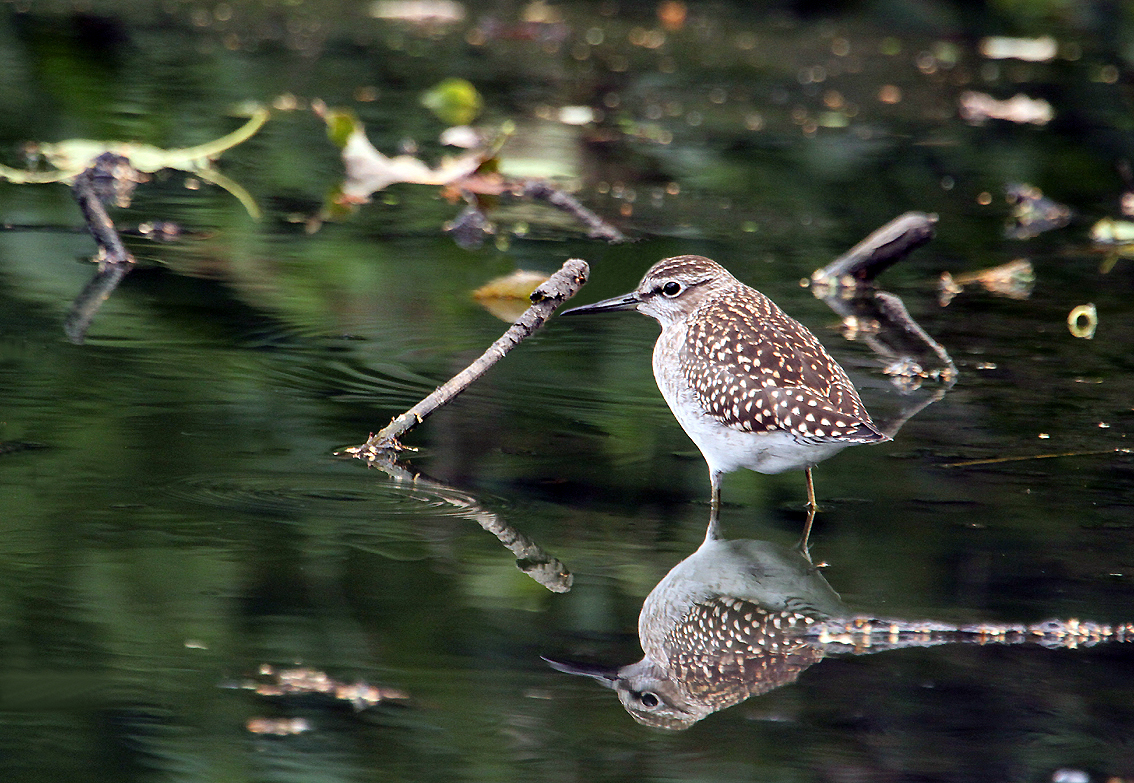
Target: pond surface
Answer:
[[176, 526]]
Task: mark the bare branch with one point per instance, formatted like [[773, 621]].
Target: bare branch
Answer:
[[597, 227], [560, 287], [882, 249]]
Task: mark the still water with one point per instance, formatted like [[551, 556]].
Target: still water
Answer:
[[187, 570]]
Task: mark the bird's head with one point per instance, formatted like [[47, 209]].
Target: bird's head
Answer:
[[647, 692], [670, 291]]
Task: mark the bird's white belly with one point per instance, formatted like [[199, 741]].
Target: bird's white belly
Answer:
[[727, 448]]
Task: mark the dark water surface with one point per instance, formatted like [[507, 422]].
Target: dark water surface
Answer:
[[174, 518]]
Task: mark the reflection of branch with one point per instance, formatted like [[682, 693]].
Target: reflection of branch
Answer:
[[560, 287], [881, 321], [894, 314], [213, 176], [470, 228], [861, 635], [302, 681], [12, 446], [90, 299], [304, 687], [1018, 458], [530, 556], [102, 285]]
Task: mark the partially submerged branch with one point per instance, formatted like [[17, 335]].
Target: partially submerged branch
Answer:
[[878, 318], [110, 178], [381, 450], [560, 287], [882, 249], [597, 228], [102, 172]]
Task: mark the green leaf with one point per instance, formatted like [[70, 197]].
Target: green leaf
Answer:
[[454, 101]]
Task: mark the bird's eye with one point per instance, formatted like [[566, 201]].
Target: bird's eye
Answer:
[[672, 288], [649, 700]]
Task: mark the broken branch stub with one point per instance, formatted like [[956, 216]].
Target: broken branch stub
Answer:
[[597, 228], [558, 288], [881, 250], [110, 179]]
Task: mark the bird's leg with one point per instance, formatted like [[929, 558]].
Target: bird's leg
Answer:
[[811, 508], [714, 530]]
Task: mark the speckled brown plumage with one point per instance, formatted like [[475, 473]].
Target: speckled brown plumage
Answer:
[[756, 368], [726, 650]]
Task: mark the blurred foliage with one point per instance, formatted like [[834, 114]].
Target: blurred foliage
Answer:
[[454, 101]]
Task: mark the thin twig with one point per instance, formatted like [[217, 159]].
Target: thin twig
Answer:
[[1029, 457], [558, 288], [597, 228]]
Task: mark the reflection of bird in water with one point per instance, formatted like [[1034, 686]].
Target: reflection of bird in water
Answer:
[[725, 624], [739, 618], [750, 385]]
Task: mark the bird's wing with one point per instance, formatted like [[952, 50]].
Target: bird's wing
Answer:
[[725, 650], [754, 367]]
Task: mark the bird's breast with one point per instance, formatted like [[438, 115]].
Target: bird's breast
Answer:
[[727, 448]]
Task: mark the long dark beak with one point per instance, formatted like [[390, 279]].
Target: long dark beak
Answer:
[[625, 302], [606, 675]]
